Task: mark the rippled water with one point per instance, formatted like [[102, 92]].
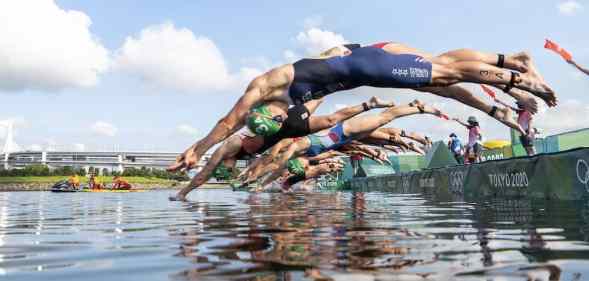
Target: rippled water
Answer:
[[222, 235]]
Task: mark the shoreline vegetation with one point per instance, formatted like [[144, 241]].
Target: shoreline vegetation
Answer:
[[44, 183]]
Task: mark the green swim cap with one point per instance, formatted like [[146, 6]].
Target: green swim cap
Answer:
[[222, 172], [260, 121], [295, 167]]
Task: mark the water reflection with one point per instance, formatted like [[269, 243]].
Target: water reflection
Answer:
[[324, 236]]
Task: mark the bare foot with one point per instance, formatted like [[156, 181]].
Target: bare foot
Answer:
[[505, 116], [527, 65], [537, 88], [376, 102], [432, 110], [525, 98]]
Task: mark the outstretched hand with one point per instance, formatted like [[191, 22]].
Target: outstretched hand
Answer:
[[185, 161], [376, 102], [177, 197]]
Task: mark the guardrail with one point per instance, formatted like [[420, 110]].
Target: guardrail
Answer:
[[556, 176]]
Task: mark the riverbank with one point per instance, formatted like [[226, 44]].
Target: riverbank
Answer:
[[45, 183]]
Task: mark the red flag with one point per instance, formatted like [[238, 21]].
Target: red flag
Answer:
[[557, 49], [488, 91]]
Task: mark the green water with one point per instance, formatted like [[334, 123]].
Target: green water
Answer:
[[225, 235]]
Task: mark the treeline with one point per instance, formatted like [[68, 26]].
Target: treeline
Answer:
[[43, 170]]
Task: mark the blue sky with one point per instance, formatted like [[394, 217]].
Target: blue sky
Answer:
[[158, 74]]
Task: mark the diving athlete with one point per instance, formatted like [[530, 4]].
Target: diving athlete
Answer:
[[341, 134], [297, 121], [374, 66]]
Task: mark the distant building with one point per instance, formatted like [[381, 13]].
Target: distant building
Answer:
[[112, 161]]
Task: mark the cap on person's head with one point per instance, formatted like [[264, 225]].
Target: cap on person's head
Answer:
[[295, 167], [260, 121], [519, 104], [453, 135], [472, 119]]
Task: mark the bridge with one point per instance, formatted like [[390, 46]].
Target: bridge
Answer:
[[12, 157], [113, 161]]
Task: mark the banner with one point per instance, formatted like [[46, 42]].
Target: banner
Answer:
[[550, 45], [557, 176]]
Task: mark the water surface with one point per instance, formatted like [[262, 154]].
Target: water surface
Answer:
[[225, 235]]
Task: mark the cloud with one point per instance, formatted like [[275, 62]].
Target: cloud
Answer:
[[560, 119], [43, 47], [570, 7], [315, 40], [174, 58], [187, 130], [104, 129]]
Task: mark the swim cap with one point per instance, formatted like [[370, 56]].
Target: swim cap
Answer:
[[295, 167], [260, 121]]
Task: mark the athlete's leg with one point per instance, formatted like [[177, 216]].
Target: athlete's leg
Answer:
[[318, 123], [478, 72], [461, 94], [526, 99], [312, 105], [521, 61], [363, 125]]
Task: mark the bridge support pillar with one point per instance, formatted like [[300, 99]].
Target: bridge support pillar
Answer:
[[120, 161], [44, 157], [5, 161]]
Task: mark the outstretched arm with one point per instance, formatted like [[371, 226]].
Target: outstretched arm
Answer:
[[276, 164], [460, 122], [325, 155], [582, 69], [256, 168], [256, 92], [230, 147]]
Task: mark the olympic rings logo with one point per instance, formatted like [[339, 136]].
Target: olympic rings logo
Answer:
[[456, 181], [583, 173]]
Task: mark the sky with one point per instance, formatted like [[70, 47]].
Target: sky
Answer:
[[157, 75]]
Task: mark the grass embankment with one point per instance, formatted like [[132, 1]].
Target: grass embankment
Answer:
[[84, 180]]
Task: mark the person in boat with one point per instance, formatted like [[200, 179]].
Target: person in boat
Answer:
[[339, 135], [94, 182], [379, 65], [120, 184], [580, 68], [525, 120], [474, 147], [74, 181], [294, 122], [456, 147]]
